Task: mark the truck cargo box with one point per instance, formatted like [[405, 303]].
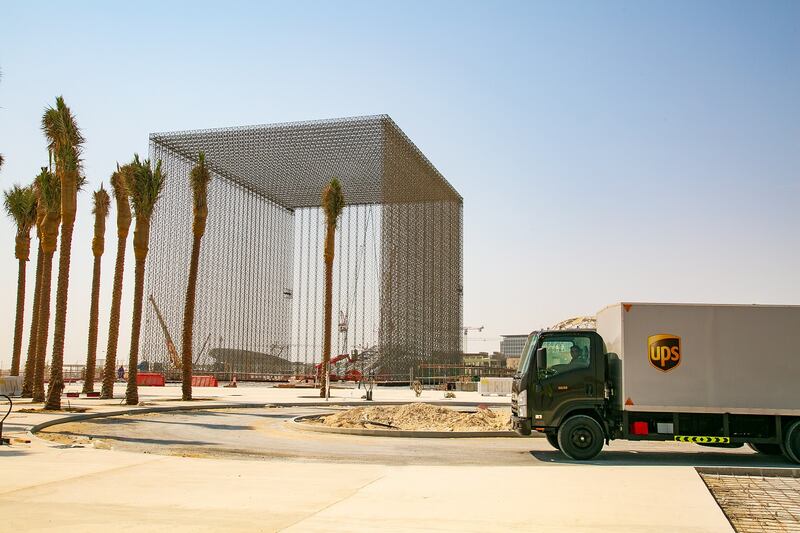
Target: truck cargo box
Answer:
[[705, 358]]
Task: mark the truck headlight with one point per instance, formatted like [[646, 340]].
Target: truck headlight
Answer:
[[522, 404]]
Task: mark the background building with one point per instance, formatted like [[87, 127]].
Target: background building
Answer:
[[511, 345]]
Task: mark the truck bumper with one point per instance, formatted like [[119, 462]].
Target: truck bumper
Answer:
[[521, 425]]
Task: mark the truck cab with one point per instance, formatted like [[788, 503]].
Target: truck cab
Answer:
[[563, 375]]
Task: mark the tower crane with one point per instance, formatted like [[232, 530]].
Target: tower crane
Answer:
[[467, 329]]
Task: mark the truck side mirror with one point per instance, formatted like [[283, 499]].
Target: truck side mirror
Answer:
[[541, 359]]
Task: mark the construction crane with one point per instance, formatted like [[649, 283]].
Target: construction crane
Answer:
[[202, 350], [467, 329], [349, 374], [173, 353]]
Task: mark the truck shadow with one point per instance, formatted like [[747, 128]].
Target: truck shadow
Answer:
[[667, 458]]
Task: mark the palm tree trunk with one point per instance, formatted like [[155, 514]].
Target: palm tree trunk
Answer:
[[57, 362], [188, 318], [110, 370], [132, 390], [18, 324], [30, 362], [43, 327], [91, 350], [326, 344]]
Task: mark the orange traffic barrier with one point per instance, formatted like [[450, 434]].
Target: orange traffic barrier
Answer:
[[204, 381], [150, 379]]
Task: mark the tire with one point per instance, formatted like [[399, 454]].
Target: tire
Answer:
[[791, 441], [766, 448], [580, 438], [552, 438]]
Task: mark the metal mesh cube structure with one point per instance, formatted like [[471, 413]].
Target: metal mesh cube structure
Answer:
[[397, 282]]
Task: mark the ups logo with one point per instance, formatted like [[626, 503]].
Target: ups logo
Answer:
[[665, 351]]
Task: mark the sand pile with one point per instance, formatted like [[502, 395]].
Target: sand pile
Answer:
[[419, 417]]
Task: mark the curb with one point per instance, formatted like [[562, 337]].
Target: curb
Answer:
[[298, 423], [789, 472], [202, 407]]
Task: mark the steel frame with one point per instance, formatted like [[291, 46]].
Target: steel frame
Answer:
[[398, 263]]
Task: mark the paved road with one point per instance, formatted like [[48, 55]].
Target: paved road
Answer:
[[266, 433]]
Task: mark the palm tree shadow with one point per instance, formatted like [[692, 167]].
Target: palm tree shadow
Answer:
[[137, 440], [7, 451], [664, 458], [123, 421]]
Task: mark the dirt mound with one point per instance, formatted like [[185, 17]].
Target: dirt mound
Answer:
[[418, 417]]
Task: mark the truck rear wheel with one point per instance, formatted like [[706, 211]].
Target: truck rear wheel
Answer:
[[791, 442], [580, 438], [766, 448], [552, 438]]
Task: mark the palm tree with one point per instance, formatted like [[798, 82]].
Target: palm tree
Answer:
[[144, 188], [20, 204], [30, 362], [100, 211], [332, 203], [119, 187], [199, 178], [48, 189], [64, 142]]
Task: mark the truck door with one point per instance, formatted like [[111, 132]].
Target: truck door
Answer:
[[569, 378]]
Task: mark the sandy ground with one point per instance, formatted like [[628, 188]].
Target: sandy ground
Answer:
[[420, 417]]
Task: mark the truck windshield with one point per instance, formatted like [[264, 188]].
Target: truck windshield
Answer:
[[526, 356]]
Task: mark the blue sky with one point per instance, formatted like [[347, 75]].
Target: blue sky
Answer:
[[605, 151]]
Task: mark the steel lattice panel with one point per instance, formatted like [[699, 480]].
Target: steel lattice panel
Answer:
[[397, 271]]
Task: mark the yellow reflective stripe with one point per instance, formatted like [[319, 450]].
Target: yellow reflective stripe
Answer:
[[703, 440]]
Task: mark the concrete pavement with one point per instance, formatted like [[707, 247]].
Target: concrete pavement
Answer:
[[73, 489], [47, 485]]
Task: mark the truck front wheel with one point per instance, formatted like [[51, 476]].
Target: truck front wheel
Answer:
[[580, 437], [552, 438], [792, 442]]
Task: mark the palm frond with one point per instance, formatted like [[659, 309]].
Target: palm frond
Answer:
[[119, 180], [48, 190], [144, 186], [2, 160], [102, 202], [333, 201], [20, 205], [198, 179], [64, 138]]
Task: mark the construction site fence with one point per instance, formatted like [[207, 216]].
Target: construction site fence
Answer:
[[71, 373], [457, 377], [445, 377]]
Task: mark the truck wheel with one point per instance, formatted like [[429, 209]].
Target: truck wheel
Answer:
[[552, 438], [791, 442], [580, 438], [766, 448]]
